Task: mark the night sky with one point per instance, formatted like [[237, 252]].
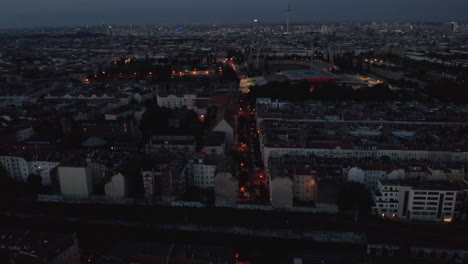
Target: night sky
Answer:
[[18, 13]]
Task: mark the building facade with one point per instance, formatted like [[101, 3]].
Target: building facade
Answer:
[[173, 101], [423, 201], [173, 144], [75, 181], [19, 168]]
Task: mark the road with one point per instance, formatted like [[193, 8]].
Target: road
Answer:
[[252, 181]]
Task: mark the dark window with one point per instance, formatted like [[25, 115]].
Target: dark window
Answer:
[[405, 203], [441, 199]]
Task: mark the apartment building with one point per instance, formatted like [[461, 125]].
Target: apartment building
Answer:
[[173, 101], [409, 200], [169, 143], [201, 170], [19, 166]]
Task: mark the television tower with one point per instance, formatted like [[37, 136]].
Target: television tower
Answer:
[[288, 16]]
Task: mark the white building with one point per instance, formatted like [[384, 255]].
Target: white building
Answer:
[[75, 181], [116, 187], [280, 149], [423, 201], [96, 170], [226, 189], [276, 104], [370, 176], [43, 169], [224, 126], [281, 192], [176, 101], [326, 29], [305, 185], [454, 26], [215, 143], [149, 184], [201, 171], [203, 175], [164, 144], [19, 167]]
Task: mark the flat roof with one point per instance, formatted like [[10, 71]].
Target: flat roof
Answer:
[[308, 74], [427, 185]]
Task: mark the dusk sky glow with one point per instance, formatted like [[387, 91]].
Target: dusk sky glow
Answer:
[[19, 13]]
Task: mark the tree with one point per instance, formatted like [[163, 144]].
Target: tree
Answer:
[[7, 185], [156, 121], [193, 194], [3, 173], [447, 90], [34, 184], [354, 196], [154, 118], [5, 181], [211, 114], [229, 73]]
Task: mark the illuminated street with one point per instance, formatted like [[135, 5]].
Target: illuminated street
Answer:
[[253, 186]]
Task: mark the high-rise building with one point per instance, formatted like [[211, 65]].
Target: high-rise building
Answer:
[[454, 26], [256, 26]]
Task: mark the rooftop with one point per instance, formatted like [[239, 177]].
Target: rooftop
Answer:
[[215, 138], [172, 140], [308, 74], [427, 185]]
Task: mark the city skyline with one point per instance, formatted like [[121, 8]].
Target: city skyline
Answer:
[[262, 132], [24, 13]]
